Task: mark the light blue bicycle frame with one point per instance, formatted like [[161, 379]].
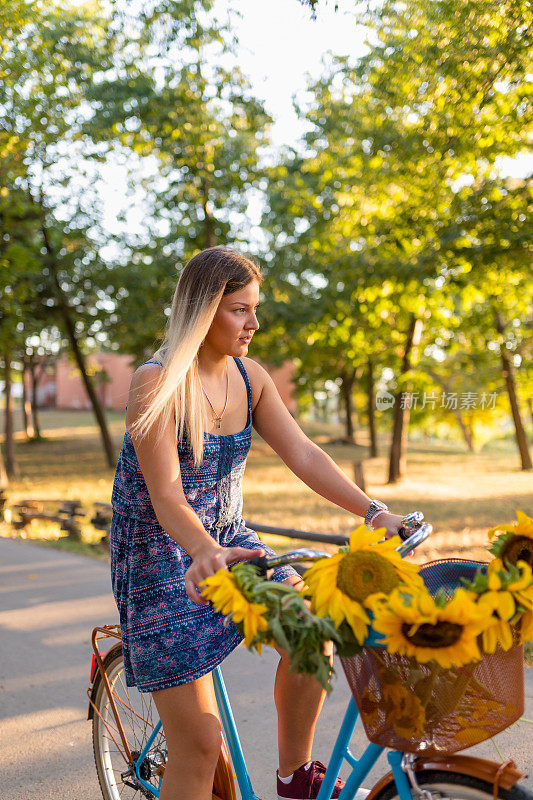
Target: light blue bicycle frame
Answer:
[[341, 752]]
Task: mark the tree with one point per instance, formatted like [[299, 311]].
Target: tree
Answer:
[[176, 98], [490, 241], [457, 81], [47, 57]]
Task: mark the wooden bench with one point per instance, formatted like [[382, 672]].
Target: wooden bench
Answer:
[[66, 515], [102, 519]]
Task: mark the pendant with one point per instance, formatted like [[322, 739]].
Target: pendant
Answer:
[[217, 423]]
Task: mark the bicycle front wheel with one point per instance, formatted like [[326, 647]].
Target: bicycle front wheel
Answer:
[[453, 786], [138, 716]]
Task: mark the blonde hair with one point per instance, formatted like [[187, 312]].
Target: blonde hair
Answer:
[[205, 279]]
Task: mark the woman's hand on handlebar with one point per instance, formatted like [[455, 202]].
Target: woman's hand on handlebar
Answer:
[[392, 523], [209, 560]]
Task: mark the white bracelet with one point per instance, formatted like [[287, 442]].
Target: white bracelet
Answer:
[[381, 511]]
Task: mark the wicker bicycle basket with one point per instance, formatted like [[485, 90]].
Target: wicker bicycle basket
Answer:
[[425, 708]]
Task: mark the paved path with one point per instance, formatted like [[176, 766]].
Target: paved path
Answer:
[[49, 603]]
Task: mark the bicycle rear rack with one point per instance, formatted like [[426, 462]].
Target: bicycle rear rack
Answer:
[[106, 632]]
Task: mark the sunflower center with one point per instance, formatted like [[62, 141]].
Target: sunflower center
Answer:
[[363, 573], [518, 548], [444, 634]]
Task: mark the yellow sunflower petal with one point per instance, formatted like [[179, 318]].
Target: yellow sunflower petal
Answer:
[[525, 579], [525, 598], [363, 536], [524, 524], [357, 619], [494, 581], [526, 627], [500, 529]]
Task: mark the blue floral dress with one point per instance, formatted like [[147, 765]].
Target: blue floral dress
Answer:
[[168, 639]]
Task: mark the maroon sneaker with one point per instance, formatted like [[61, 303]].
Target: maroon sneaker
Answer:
[[305, 783]]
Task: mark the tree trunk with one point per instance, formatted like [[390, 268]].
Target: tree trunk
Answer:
[[465, 429], [340, 407], [34, 401], [26, 405], [64, 308], [508, 374], [401, 415], [359, 475], [346, 392], [370, 410], [3, 474], [210, 239], [12, 469]]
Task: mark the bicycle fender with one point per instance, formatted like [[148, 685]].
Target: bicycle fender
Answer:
[[91, 691], [505, 774]]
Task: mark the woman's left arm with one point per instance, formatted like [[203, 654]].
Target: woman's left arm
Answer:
[[274, 423]]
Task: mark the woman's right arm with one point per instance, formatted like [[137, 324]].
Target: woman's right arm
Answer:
[[159, 463]]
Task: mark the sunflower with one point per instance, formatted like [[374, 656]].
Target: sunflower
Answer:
[[470, 735], [499, 607], [505, 593], [405, 712], [415, 625], [253, 622], [522, 587], [341, 586], [522, 590], [515, 542], [370, 707], [526, 627], [222, 590]]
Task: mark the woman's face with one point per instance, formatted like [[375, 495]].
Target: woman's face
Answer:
[[235, 321]]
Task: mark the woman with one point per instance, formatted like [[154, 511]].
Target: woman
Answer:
[[177, 520]]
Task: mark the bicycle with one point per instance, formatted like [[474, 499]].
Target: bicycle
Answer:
[[130, 751]]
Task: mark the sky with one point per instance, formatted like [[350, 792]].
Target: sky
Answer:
[[280, 46]]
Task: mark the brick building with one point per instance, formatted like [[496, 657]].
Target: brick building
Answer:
[[62, 386]]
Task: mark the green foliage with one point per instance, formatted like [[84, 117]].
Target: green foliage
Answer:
[[393, 205], [291, 624], [161, 82], [47, 53], [180, 100]]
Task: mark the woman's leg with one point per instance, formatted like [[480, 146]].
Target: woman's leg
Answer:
[[192, 730], [299, 699]]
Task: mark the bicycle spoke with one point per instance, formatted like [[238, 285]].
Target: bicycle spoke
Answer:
[[128, 710], [136, 713]]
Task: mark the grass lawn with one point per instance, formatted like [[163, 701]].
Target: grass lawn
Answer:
[[460, 493]]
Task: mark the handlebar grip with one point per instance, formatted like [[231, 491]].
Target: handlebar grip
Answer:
[[261, 563], [412, 523]]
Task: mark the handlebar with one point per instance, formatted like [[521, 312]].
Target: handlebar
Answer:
[[419, 535], [411, 523]]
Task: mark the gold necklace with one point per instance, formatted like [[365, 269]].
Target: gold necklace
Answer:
[[217, 418]]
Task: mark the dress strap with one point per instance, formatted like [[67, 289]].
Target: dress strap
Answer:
[[151, 361], [242, 370]]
